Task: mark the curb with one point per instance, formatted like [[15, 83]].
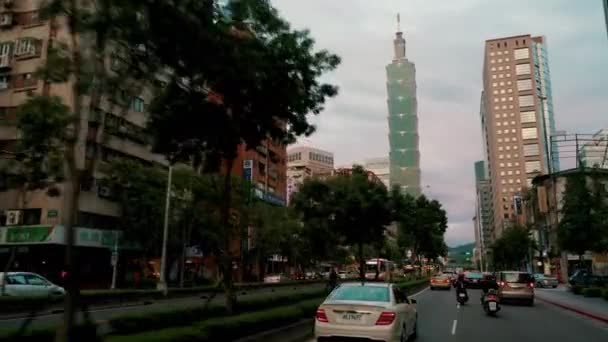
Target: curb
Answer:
[[269, 333], [578, 311]]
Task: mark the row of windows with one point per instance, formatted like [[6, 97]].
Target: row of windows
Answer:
[[504, 115], [526, 101], [500, 60], [294, 156], [513, 190], [529, 133], [506, 52], [533, 166], [320, 158], [18, 81], [495, 76], [510, 172], [506, 131], [504, 107], [503, 99], [523, 53], [507, 139], [23, 18], [503, 91], [522, 69], [508, 156], [501, 83], [24, 47], [510, 181], [508, 148], [505, 123], [501, 68]]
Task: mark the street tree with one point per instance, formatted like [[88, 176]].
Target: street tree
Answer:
[[359, 211], [512, 248], [579, 229], [259, 83]]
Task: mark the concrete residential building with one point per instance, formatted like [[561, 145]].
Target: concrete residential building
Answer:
[[595, 153], [483, 211], [517, 119], [380, 167], [108, 131], [403, 120], [304, 162], [606, 14]]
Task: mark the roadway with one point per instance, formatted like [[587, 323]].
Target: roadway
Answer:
[[101, 315], [441, 319]]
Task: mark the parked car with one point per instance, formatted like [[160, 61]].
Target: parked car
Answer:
[[516, 285], [366, 311], [586, 278], [276, 278], [441, 281], [26, 284], [543, 280]]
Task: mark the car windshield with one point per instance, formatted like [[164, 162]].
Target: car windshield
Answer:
[[474, 275], [539, 276], [362, 293], [516, 277], [441, 276]]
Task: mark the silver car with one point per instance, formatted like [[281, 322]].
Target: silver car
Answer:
[[26, 284], [374, 311], [543, 280]]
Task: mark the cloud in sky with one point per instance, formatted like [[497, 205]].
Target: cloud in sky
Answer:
[[445, 40]]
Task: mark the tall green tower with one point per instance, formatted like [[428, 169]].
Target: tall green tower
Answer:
[[403, 120]]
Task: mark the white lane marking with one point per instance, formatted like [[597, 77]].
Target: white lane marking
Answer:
[[454, 327], [458, 306]]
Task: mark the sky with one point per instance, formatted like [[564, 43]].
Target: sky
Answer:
[[445, 39]]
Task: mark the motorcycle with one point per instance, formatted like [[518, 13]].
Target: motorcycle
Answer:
[[491, 304], [462, 296]]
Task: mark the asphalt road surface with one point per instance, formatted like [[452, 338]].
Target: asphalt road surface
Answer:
[[441, 319], [102, 314]]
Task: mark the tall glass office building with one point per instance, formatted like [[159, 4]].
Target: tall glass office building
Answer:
[[403, 121]]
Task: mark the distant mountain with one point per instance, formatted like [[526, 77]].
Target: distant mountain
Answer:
[[458, 255]]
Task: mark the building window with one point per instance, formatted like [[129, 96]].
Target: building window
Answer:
[[495, 92], [531, 150], [501, 75], [529, 133], [502, 91], [5, 81], [494, 76], [28, 47], [500, 148], [502, 164], [137, 104], [498, 124], [523, 53], [526, 101], [528, 117], [502, 173], [522, 69], [503, 181], [524, 85], [492, 61], [493, 69], [532, 166]]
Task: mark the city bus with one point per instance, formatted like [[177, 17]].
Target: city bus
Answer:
[[384, 267]]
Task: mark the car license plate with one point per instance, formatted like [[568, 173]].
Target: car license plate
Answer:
[[461, 295], [352, 317], [492, 306]]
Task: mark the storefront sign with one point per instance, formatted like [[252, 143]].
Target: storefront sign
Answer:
[[28, 234], [52, 213], [269, 197]]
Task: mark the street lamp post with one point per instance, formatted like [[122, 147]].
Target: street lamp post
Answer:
[[114, 260], [162, 284]]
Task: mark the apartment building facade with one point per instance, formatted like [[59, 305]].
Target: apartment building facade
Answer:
[[483, 209], [595, 152], [304, 162], [517, 121]]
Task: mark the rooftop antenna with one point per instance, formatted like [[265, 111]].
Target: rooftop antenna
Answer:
[[398, 22]]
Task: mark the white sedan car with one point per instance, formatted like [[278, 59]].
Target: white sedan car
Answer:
[[25, 284], [375, 311]]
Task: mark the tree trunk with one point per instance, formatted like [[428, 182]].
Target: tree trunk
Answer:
[[7, 267], [361, 261], [225, 221], [72, 291]]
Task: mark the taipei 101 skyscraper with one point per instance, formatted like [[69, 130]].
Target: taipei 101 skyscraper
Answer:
[[403, 119]]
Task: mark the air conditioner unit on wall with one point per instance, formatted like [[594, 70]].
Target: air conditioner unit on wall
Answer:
[[13, 217], [103, 191], [6, 19]]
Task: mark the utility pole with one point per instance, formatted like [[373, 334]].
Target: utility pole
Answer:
[[162, 284], [114, 260]]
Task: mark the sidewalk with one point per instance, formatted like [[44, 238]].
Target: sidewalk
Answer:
[[596, 308]]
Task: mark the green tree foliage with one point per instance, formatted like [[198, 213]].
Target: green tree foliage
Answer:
[[579, 229], [511, 249], [422, 224], [349, 209], [584, 226]]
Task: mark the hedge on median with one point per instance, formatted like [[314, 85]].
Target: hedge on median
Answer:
[[592, 292], [129, 324], [229, 328], [10, 305]]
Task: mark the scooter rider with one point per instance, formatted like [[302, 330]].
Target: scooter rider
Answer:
[[461, 286], [488, 283]]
